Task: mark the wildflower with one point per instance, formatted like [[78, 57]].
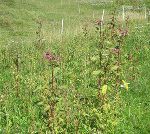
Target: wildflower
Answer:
[[116, 50], [50, 57], [123, 33], [99, 22], [125, 85]]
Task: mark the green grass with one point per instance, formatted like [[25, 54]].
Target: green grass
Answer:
[[74, 94], [136, 112]]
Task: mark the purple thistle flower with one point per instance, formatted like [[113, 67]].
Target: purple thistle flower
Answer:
[[50, 57]]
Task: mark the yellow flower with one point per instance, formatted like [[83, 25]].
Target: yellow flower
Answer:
[[126, 85]]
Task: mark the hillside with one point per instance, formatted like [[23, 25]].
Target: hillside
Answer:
[[74, 67]]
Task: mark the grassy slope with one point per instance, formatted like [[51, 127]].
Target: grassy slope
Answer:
[[19, 18], [18, 21], [137, 100]]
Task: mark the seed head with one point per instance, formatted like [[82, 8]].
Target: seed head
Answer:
[[123, 33], [99, 22]]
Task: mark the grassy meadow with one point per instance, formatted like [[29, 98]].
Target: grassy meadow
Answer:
[[74, 67]]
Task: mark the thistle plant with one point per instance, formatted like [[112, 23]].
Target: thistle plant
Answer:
[[39, 35], [52, 61]]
